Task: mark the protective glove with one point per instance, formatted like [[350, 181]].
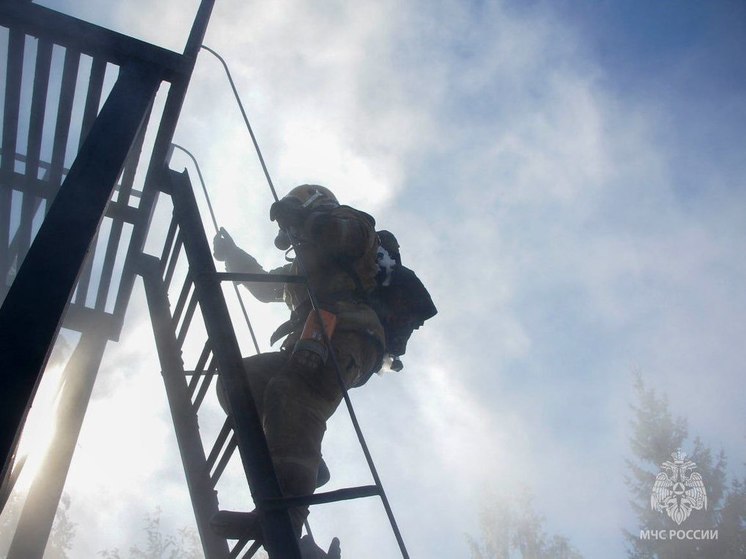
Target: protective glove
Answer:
[[288, 212], [223, 245]]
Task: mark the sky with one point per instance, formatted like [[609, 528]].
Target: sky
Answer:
[[567, 180]]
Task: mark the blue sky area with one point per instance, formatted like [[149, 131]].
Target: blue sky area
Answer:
[[567, 178]]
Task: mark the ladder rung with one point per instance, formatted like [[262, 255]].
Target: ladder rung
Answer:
[[239, 547], [200, 373], [219, 443], [229, 450], [168, 246], [261, 278], [200, 367], [186, 289], [174, 255], [187, 320], [202, 361], [206, 376], [207, 380], [252, 550], [320, 498]]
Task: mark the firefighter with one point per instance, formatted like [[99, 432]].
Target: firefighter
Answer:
[[296, 389]]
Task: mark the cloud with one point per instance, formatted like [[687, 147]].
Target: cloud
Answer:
[[540, 203]]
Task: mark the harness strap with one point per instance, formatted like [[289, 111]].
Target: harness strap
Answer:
[[298, 316]]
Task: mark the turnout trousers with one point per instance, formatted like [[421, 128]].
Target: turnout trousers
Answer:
[[294, 405]]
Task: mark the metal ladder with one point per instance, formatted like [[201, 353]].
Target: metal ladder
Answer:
[[200, 295]]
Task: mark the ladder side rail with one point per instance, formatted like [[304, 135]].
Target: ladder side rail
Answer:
[[279, 537], [186, 388], [203, 496]]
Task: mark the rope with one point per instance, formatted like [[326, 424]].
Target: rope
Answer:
[[314, 304]]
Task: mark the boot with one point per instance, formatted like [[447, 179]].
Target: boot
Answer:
[[309, 549], [335, 551], [234, 525]]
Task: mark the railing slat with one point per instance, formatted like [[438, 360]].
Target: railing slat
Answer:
[[93, 96], [38, 106], [107, 268], [13, 77], [64, 115]]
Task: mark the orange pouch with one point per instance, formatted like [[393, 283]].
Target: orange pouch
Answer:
[[312, 328]]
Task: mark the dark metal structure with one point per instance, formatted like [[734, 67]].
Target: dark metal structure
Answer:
[[79, 102], [72, 224], [60, 206]]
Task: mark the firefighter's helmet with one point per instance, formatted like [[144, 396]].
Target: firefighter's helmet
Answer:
[[313, 196]]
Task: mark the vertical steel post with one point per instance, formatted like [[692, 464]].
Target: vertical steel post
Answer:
[[37, 516], [32, 312], [280, 540], [163, 138]]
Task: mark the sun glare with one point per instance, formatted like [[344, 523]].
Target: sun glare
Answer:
[[39, 429], [123, 438]]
